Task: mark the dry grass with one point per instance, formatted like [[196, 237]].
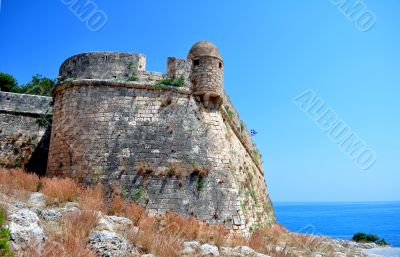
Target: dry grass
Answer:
[[144, 168], [70, 239], [116, 206], [80, 223], [134, 212], [18, 181], [92, 198], [162, 235], [59, 190]]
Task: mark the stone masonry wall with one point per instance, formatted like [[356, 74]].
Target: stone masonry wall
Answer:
[[207, 76], [159, 147], [24, 130]]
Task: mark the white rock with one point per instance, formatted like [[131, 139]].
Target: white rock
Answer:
[[53, 214], [105, 224], [209, 250], [260, 255], [24, 227], [113, 223], [37, 199], [245, 250], [227, 251], [110, 244], [148, 255], [190, 247], [120, 220]]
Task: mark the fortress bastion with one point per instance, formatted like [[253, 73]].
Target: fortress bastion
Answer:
[[171, 142]]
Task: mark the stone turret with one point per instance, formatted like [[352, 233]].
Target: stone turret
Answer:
[[207, 72]]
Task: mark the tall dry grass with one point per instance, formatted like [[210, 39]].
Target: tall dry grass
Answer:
[[69, 239], [59, 190], [91, 198], [161, 235], [18, 181]]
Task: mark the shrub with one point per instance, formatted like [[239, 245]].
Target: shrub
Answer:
[[372, 238], [137, 194], [59, 190], [359, 237], [381, 242], [369, 238], [4, 235]]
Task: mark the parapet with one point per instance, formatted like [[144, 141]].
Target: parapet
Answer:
[[25, 104], [102, 65]]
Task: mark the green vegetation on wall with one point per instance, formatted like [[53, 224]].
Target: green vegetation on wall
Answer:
[[179, 82]]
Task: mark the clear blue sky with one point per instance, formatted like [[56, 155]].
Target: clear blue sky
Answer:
[[273, 51]]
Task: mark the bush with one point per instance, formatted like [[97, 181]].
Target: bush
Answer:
[[7, 82], [372, 238], [369, 238], [381, 242]]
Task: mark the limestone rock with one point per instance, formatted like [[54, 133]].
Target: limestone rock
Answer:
[[53, 214], [227, 251], [190, 247], [113, 223], [110, 244], [37, 200], [209, 250], [240, 251], [24, 227]]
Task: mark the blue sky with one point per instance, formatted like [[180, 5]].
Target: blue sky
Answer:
[[273, 51]]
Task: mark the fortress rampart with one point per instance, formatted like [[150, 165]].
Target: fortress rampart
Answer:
[[171, 142], [25, 130]]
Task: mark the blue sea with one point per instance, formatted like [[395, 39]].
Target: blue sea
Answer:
[[342, 220]]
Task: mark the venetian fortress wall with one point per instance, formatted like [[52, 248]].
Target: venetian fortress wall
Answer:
[[24, 131], [171, 142]]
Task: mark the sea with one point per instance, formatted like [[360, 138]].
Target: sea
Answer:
[[342, 220]]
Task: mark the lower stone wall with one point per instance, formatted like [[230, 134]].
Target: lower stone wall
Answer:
[[160, 148], [24, 131]]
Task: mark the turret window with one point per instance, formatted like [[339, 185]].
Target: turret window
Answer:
[[220, 65], [196, 62]]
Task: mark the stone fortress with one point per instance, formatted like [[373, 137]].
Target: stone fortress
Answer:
[[171, 142]]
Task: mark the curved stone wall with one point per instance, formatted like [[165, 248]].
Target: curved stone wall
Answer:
[[158, 147], [207, 77], [102, 65]]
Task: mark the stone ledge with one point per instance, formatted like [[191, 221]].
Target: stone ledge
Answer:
[[24, 104], [114, 83]]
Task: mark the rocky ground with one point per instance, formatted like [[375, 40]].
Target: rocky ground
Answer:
[[29, 222]]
